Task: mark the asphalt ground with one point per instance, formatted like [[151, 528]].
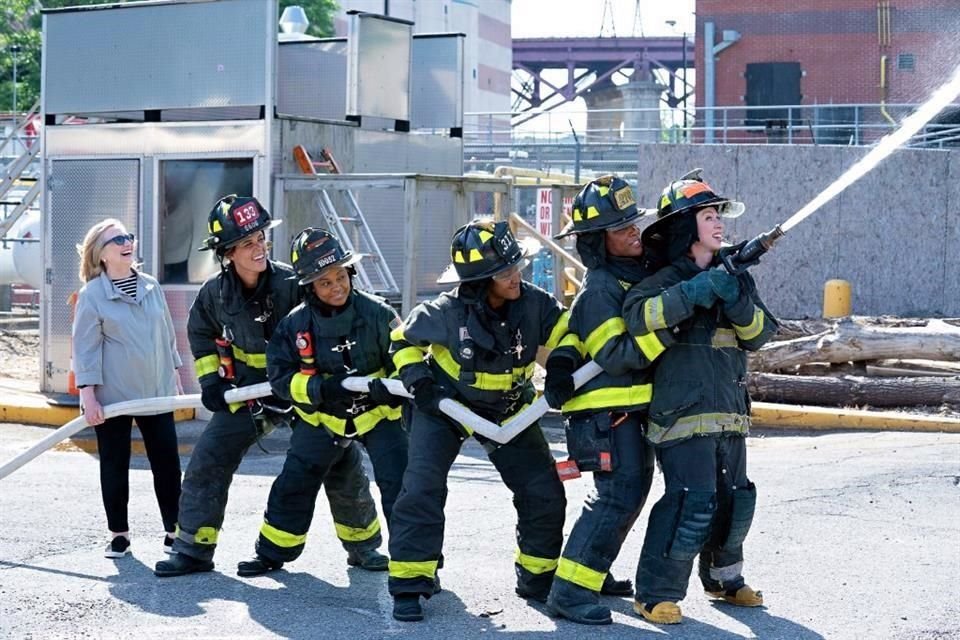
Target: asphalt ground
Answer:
[[856, 536]]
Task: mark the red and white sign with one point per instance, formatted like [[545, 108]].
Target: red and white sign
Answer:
[[545, 210], [246, 214]]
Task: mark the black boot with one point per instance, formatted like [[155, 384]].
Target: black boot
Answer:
[[530, 594], [369, 559], [613, 587], [179, 564], [407, 607], [577, 604], [257, 567]]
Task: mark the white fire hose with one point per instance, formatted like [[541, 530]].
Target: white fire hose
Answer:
[[501, 434]]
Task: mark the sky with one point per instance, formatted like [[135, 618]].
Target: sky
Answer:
[[546, 18], [558, 18]]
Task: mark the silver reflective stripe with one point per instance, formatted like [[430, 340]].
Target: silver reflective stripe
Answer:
[[726, 574]]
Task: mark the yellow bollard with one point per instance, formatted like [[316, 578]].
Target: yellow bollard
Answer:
[[836, 299]]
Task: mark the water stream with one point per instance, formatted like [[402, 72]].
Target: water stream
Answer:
[[910, 126]]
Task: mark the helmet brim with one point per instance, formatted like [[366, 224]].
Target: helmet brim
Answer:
[[569, 230], [350, 260], [528, 247], [207, 246]]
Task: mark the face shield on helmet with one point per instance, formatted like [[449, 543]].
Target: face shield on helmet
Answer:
[[314, 251]]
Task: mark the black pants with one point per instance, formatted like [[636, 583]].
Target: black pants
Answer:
[[315, 459], [608, 514], [705, 478], [113, 445], [417, 524]]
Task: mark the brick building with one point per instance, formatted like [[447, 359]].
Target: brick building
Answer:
[[819, 52]]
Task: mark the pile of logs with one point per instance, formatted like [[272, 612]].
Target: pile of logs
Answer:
[[860, 361]]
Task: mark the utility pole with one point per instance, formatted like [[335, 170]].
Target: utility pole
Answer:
[[14, 50]]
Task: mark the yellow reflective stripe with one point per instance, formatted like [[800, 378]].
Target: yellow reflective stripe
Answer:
[[407, 355], [703, 423], [581, 575], [410, 570], [572, 340], [397, 334], [650, 345], [604, 333], [204, 535], [206, 365], [363, 422], [559, 330], [534, 564], [723, 338], [236, 406], [609, 397], [653, 314], [485, 381], [356, 534], [753, 329], [281, 538], [298, 388], [255, 360]]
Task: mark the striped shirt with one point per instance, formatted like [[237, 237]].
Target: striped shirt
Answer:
[[128, 285]]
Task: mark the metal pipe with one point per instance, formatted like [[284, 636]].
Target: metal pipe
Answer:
[[709, 80], [883, 90]]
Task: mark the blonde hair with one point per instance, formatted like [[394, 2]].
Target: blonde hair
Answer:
[[92, 248]]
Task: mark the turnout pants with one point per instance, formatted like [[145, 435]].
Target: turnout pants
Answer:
[[316, 458], [706, 508], [608, 515], [416, 528], [206, 484]]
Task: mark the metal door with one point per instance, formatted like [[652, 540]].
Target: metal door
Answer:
[[79, 193]]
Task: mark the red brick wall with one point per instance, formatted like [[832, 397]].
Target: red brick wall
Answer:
[[836, 44]]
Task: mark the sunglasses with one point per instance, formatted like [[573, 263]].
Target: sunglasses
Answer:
[[121, 240]]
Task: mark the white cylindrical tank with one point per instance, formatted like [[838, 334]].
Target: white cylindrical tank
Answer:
[[22, 262]]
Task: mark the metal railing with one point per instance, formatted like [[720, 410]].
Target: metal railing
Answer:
[[838, 124]]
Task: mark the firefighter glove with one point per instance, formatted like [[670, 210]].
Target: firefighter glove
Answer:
[[334, 397], [726, 286], [381, 395], [699, 290], [427, 395], [558, 386], [211, 396]]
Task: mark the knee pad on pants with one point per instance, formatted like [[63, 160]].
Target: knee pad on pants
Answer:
[[742, 506], [695, 514]]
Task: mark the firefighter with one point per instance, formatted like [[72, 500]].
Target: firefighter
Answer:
[[233, 316], [606, 417], [707, 319], [336, 332], [476, 344]]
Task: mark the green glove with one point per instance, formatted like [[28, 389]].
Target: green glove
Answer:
[[699, 290], [726, 286]]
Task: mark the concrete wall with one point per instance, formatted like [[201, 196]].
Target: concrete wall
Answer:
[[894, 234]]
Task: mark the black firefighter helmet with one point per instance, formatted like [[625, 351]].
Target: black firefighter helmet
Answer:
[[234, 218], [315, 250], [604, 203], [483, 248], [673, 232]]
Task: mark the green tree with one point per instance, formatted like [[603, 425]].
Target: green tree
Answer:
[[21, 23]]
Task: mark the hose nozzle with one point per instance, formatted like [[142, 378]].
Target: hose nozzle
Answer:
[[739, 258]]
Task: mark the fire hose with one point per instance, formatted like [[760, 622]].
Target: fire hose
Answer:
[[501, 434]]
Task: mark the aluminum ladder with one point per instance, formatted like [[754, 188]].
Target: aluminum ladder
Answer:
[[352, 229]]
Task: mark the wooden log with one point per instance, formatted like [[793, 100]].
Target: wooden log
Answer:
[[945, 368], [790, 329], [875, 371], [853, 340], [845, 391]]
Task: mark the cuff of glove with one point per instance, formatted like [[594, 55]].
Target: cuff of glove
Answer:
[[739, 312]]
